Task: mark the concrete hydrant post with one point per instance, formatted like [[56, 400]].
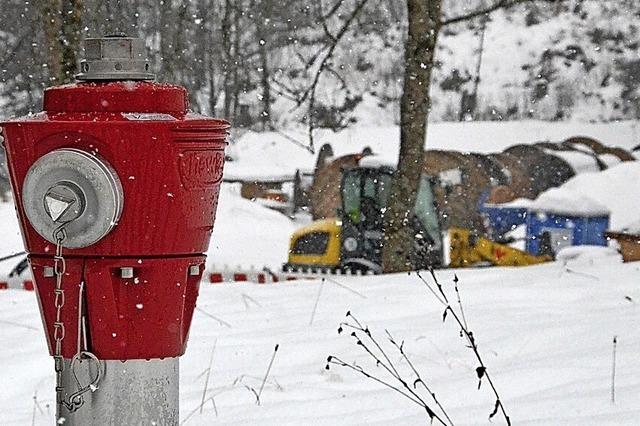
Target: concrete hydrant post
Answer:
[[116, 186]]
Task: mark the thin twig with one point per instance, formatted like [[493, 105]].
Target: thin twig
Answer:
[[195, 410], [337, 361], [310, 93], [386, 363], [500, 4], [206, 381], [349, 289], [294, 141], [11, 256], [455, 286], [430, 289], [417, 374], [482, 370], [315, 305], [266, 375], [246, 297], [213, 317], [613, 371]]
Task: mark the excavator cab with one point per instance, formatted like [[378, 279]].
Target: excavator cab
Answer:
[[354, 239], [365, 194]]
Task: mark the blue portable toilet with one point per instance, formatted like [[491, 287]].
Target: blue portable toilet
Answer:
[[554, 222], [502, 218]]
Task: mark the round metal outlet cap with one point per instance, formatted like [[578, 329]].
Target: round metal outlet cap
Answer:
[[76, 189]]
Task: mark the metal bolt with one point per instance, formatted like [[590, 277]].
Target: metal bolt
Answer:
[[194, 270], [48, 272], [126, 272]]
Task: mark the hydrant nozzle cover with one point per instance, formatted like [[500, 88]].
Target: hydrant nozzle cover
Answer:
[[115, 58]]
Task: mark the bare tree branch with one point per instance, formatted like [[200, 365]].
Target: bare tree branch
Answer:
[[311, 92], [500, 4]]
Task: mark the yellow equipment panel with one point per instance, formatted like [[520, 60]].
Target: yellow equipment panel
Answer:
[[470, 250]]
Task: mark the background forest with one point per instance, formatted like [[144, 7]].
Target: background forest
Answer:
[[253, 61]]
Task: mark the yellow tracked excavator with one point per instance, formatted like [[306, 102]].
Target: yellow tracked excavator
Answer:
[[354, 240]]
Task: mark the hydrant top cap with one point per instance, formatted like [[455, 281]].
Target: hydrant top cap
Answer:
[[114, 58]]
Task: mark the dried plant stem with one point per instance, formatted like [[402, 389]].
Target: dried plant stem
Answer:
[[266, 375], [613, 371], [315, 305], [400, 348], [206, 381], [482, 370], [384, 361]]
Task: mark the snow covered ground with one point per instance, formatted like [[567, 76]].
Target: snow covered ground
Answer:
[[545, 332], [278, 155], [241, 223]]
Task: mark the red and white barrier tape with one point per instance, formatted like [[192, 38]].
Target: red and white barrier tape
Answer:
[[17, 283], [213, 276]]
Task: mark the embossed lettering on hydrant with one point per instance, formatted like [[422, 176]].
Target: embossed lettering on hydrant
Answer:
[[201, 168]]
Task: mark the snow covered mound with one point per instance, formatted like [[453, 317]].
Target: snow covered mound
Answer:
[[277, 155], [561, 201], [246, 233], [633, 228], [592, 194], [589, 254]]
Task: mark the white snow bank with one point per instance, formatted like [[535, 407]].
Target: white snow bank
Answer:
[[589, 254], [580, 162], [633, 228], [524, 203], [247, 233], [567, 202], [279, 154], [375, 161], [615, 190]]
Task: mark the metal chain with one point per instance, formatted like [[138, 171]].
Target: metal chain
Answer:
[[76, 400], [59, 268]]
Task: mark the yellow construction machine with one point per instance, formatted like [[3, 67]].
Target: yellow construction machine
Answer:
[[353, 241]]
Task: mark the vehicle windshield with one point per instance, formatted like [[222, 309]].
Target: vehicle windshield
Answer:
[[365, 189], [425, 209]]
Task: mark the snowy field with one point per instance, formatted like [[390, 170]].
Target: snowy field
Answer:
[[545, 332], [278, 155]]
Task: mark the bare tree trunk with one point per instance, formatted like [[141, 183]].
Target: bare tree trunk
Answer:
[[166, 41], [265, 77], [72, 35], [238, 60], [424, 26], [63, 32], [473, 107], [227, 60], [51, 14]]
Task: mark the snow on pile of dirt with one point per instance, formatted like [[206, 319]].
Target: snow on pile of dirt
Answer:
[[593, 194], [277, 155], [633, 228], [246, 233], [567, 202]]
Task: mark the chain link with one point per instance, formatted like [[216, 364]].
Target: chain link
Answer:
[[59, 267], [76, 400]]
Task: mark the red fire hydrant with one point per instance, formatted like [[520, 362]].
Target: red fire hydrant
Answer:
[[116, 186]]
